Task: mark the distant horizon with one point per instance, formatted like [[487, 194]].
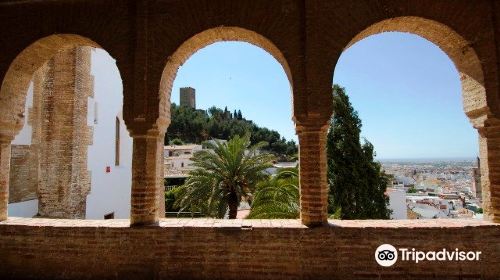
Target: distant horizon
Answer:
[[427, 159]]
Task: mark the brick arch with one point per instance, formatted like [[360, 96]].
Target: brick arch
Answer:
[[201, 40], [16, 81], [477, 92], [458, 49]]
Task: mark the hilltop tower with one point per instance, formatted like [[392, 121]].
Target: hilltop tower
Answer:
[[188, 97]]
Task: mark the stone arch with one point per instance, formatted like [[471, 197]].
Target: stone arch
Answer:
[[201, 40], [458, 49], [34, 61], [474, 86], [15, 84]]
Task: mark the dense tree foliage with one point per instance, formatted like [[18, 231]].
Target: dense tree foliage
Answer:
[[277, 198], [195, 126], [223, 174], [357, 182]]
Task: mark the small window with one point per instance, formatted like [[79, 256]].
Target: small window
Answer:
[[109, 216], [182, 164], [117, 142]]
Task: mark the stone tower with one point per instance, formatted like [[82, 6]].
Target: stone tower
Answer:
[[188, 97]]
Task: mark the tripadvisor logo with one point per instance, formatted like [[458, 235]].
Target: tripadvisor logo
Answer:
[[387, 255]]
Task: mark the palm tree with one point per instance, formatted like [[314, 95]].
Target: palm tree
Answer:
[[224, 173], [277, 198]]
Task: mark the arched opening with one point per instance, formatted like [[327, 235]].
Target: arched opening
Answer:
[[460, 51], [206, 100], [203, 39], [54, 168], [361, 77]]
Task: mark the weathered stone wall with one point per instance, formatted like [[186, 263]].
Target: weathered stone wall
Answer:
[[25, 164], [64, 135], [240, 249], [23, 176]]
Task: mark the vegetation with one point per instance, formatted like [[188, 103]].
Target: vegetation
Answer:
[[222, 176], [277, 198], [229, 171], [357, 182], [195, 126], [412, 189], [170, 198]]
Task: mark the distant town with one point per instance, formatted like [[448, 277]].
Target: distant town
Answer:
[[434, 188]]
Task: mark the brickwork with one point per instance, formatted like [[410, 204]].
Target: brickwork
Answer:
[[489, 151], [313, 169], [5, 150], [23, 176], [25, 164], [64, 135], [150, 40], [147, 179], [239, 249]]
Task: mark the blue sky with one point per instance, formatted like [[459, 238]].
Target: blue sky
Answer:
[[407, 92], [240, 76], [405, 89]]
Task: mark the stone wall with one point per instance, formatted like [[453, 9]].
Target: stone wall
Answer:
[[24, 164], [63, 135], [240, 249], [23, 176], [150, 40]]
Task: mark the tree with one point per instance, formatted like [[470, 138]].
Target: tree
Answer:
[[223, 174], [357, 183], [176, 141], [195, 126], [277, 198], [412, 189]]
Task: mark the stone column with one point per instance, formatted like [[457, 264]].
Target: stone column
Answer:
[[63, 135], [4, 177], [489, 153], [313, 181], [147, 179], [488, 126]]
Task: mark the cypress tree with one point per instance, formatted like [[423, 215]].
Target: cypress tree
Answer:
[[357, 182]]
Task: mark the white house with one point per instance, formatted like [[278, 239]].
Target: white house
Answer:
[[397, 203], [177, 159]]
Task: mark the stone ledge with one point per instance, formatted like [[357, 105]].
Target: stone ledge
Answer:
[[249, 223]]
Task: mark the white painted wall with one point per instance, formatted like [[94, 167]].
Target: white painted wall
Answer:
[[24, 136], [111, 191], [397, 203]]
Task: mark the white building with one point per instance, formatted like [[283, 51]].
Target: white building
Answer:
[[109, 156], [397, 203], [177, 159]]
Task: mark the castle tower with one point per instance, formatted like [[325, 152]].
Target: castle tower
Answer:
[[188, 97]]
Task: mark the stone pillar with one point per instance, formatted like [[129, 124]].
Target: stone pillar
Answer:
[[488, 126], [4, 176], [489, 152], [313, 180], [63, 136], [147, 179]]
